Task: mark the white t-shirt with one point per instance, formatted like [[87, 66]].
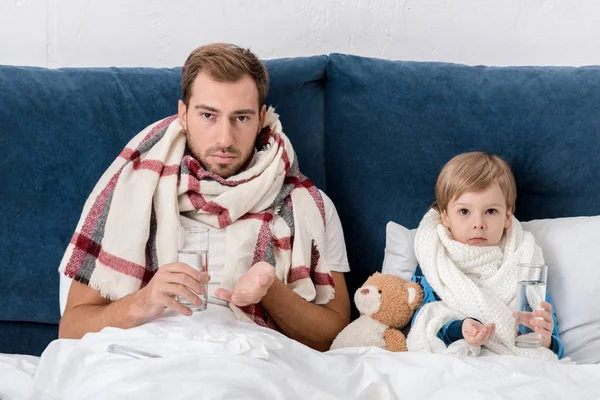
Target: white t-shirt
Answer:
[[335, 253]]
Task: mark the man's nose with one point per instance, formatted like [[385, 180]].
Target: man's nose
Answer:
[[225, 133]]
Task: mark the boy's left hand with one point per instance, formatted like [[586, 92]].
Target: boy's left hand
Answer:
[[540, 321]]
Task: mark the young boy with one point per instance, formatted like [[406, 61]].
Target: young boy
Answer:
[[468, 247]]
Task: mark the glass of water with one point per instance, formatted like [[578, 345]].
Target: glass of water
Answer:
[[531, 292], [193, 250]]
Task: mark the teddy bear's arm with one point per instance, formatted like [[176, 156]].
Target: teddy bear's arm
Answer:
[[394, 340]]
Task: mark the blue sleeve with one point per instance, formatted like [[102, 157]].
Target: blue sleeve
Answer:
[[428, 293], [452, 331], [556, 345]]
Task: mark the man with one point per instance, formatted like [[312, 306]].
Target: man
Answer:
[[277, 248]]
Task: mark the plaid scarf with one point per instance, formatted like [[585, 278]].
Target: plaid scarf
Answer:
[[271, 212]]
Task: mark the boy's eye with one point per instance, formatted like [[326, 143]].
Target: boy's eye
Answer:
[[242, 118], [463, 211], [492, 211], [206, 115]]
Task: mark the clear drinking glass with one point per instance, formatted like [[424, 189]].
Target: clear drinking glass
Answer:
[[531, 292], [193, 251]]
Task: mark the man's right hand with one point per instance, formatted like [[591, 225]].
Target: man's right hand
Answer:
[[176, 279], [477, 334]]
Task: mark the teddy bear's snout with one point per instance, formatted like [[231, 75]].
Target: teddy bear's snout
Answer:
[[367, 299]]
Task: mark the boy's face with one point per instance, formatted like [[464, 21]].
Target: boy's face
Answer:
[[478, 218]]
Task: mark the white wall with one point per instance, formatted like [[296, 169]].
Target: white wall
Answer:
[[58, 33]]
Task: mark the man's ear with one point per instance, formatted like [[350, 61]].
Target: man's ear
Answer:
[[262, 113], [182, 113], [508, 221], [445, 219]]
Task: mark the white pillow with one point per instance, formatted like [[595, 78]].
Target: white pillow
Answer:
[[399, 258], [571, 249]]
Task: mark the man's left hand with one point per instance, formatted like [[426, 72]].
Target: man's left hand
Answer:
[[250, 287]]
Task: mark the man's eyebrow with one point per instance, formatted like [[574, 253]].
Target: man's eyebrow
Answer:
[[244, 112], [207, 108]]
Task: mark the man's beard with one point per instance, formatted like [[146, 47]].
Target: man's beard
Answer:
[[225, 171]]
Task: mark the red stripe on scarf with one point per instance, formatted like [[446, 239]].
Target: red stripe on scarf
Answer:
[[259, 216], [161, 125], [194, 193], [152, 165], [84, 245], [210, 207], [284, 243], [197, 171], [264, 237], [121, 265], [284, 156], [303, 182], [298, 273], [129, 154], [213, 208], [303, 272], [170, 170], [89, 225], [319, 278]]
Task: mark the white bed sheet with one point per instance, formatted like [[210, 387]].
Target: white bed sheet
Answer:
[[16, 376], [211, 355]]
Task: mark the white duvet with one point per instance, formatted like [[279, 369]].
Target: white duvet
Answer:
[[213, 356]]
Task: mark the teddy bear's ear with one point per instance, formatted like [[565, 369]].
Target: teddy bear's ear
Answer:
[[415, 295]]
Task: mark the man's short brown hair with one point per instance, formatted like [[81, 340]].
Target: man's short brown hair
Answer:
[[474, 172], [224, 63]]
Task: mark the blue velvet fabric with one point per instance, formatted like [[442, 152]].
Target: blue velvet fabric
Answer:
[[26, 337], [59, 131], [392, 125], [372, 133]]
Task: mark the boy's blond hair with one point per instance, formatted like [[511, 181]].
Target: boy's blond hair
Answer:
[[474, 172]]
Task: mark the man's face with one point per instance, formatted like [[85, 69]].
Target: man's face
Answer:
[[222, 121], [478, 219]]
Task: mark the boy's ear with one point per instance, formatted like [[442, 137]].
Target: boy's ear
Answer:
[[508, 221], [445, 219]]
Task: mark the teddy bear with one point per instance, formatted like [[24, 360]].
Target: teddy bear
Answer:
[[386, 304]]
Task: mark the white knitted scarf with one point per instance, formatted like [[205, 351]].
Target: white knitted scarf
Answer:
[[471, 281]]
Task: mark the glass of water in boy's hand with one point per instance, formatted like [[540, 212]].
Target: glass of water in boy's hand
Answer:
[[193, 251], [531, 292]]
